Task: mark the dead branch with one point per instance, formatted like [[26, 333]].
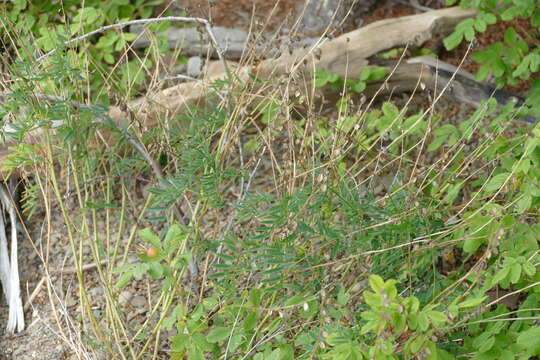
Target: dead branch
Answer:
[[344, 56]]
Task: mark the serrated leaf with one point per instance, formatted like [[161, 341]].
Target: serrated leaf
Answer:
[[436, 143], [129, 36], [373, 300], [480, 25], [500, 275], [414, 304], [446, 129], [523, 203], [515, 273], [412, 321], [359, 87], [19, 5], [324, 77], [194, 353], [535, 18], [109, 59], [377, 73], [489, 18], [342, 297], [179, 342], [471, 244], [511, 13], [486, 344], [452, 193], [529, 268], [417, 343], [155, 270], [296, 300], [120, 43], [174, 235], [423, 321], [453, 40], [364, 74], [390, 109], [510, 36], [123, 280], [469, 34]]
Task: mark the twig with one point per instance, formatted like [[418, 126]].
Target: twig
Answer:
[[73, 269], [34, 293], [65, 271]]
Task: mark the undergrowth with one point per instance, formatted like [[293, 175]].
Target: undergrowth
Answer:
[[372, 231]]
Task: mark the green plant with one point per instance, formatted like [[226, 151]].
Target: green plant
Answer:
[[280, 251], [515, 59], [102, 53], [161, 260], [398, 324], [368, 73]]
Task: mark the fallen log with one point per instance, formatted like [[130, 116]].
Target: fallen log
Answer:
[[345, 56], [193, 42]]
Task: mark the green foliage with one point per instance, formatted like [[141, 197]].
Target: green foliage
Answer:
[[391, 319], [368, 73], [312, 262], [164, 266], [102, 54], [466, 29], [518, 57], [202, 178]]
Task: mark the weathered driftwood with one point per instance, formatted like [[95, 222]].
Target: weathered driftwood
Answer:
[[194, 42], [461, 85], [345, 56], [427, 73], [9, 268]]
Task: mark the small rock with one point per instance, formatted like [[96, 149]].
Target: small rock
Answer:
[[97, 312], [55, 237], [125, 297], [95, 292], [194, 66], [138, 301]]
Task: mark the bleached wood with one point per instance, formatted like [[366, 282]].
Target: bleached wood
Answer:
[[344, 56]]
